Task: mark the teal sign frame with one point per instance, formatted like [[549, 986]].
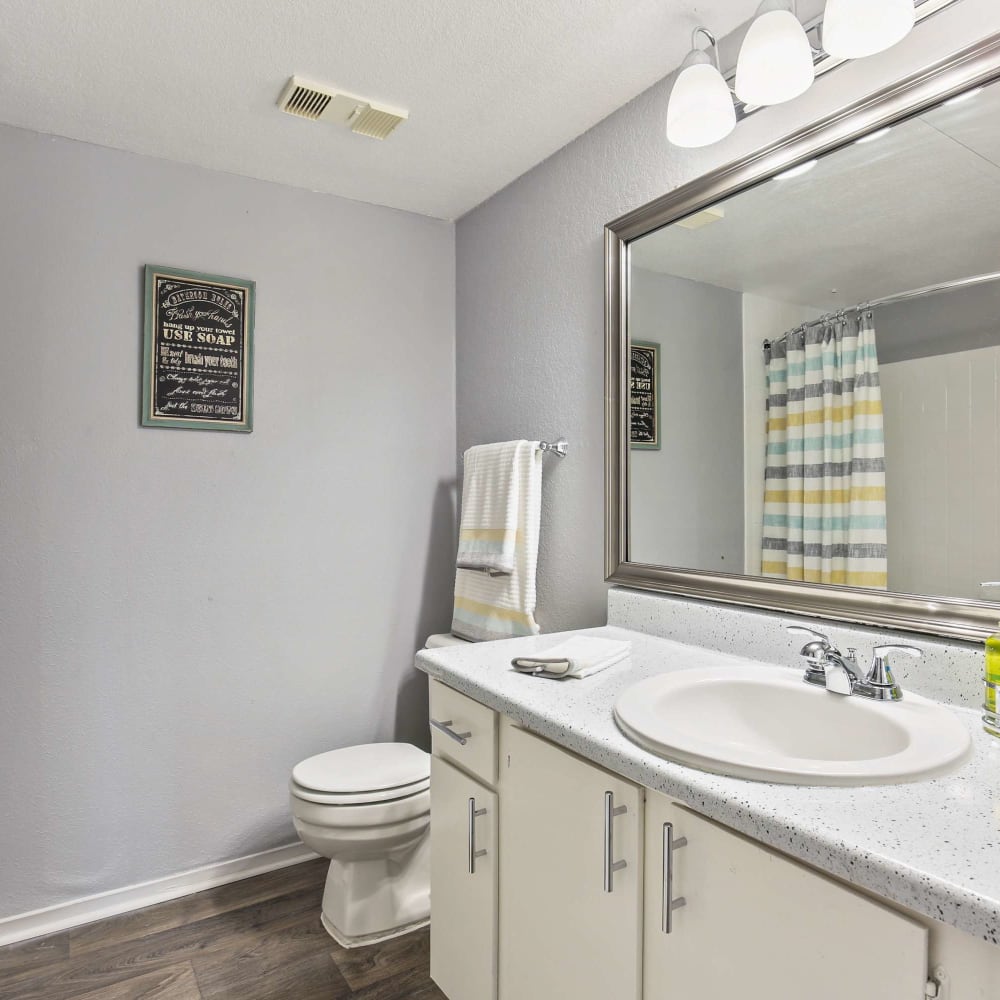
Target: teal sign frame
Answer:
[[644, 395], [197, 357]]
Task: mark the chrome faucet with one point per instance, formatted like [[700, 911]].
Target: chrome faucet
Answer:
[[841, 674]]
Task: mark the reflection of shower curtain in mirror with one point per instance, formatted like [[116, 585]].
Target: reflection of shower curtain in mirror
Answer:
[[824, 480]]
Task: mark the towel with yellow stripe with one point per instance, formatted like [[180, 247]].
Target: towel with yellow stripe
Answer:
[[491, 497], [498, 542]]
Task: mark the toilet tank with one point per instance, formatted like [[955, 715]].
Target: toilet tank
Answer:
[[444, 639]]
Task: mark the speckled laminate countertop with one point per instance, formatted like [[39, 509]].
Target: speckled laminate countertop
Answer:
[[933, 845]]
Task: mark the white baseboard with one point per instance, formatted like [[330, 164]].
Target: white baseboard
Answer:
[[51, 919]]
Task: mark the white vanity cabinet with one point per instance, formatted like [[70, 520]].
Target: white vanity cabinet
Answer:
[[754, 924], [527, 838], [464, 856], [570, 875]]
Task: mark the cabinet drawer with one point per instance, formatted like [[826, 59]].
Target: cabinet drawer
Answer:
[[476, 751]]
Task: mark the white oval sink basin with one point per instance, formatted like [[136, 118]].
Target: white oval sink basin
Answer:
[[767, 724]]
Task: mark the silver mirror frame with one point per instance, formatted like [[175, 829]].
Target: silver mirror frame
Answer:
[[974, 66]]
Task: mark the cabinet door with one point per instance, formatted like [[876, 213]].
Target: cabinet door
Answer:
[[463, 884], [757, 925], [561, 933]]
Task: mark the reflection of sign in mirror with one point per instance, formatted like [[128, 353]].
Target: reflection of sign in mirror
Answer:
[[644, 395], [198, 351]]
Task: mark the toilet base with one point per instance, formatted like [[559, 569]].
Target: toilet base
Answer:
[[375, 899], [360, 942]]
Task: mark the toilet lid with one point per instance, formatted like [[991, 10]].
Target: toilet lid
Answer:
[[387, 795], [367, 768]]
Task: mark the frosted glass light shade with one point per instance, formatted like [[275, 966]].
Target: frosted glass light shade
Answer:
[[701, 109], [775, 63], [853, 29]]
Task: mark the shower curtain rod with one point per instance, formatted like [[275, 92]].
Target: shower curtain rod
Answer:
[[913, 293]]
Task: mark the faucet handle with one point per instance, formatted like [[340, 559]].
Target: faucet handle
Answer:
[[880, 675], [815, 652], [803, 630], [880, 651]]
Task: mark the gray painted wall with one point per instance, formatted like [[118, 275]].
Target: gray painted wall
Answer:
[[676, 518], [530, 299], [186, 614]]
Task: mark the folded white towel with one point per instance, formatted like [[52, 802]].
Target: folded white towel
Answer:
[[491, 496], [494, 606], [580, 656]]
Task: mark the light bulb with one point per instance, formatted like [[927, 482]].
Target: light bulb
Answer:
[[853, 29], [776, 61], [701, 109]]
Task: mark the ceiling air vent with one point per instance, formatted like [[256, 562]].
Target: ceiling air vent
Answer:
[[319, 103], [304, 101], [376, 122]]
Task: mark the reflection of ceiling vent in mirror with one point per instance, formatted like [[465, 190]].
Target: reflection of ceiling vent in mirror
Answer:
[[320, 103], [703, 218]]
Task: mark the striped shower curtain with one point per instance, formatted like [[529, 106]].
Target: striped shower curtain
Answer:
[[824, 479]]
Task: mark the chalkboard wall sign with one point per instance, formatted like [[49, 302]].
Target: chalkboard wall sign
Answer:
[[197, 351], [644, 395]]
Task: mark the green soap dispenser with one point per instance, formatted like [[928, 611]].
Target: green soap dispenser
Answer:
[[991, 718]]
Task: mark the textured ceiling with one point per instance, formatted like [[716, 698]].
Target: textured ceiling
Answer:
[[492, 87], [918, 206]]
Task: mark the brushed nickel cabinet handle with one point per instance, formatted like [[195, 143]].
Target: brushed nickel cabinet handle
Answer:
[[474, 814], [610, 865], [669, 904], [445, 727]]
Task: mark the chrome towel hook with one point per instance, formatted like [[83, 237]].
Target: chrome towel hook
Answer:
[[556, 447]]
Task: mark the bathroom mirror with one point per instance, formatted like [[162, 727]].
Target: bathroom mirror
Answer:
[[804, 368]]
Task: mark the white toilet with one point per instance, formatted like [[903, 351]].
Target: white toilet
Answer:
[[367, 808]]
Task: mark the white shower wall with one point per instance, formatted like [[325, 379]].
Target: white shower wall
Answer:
[[942, 442]]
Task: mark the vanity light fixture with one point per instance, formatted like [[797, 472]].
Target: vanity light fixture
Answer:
[[701, 110], [780, 59], [853, 29], [775, 64]]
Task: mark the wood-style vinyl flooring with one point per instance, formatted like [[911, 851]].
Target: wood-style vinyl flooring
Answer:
[[259, 938]]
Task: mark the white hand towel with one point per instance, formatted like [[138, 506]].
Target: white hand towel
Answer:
[[491, 496], [499, 607], [580, 656]]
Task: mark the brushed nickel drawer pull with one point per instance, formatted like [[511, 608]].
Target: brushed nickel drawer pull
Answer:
[[445, 727]]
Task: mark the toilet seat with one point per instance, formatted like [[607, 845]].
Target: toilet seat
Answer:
[[359, 798], [362, 775]]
